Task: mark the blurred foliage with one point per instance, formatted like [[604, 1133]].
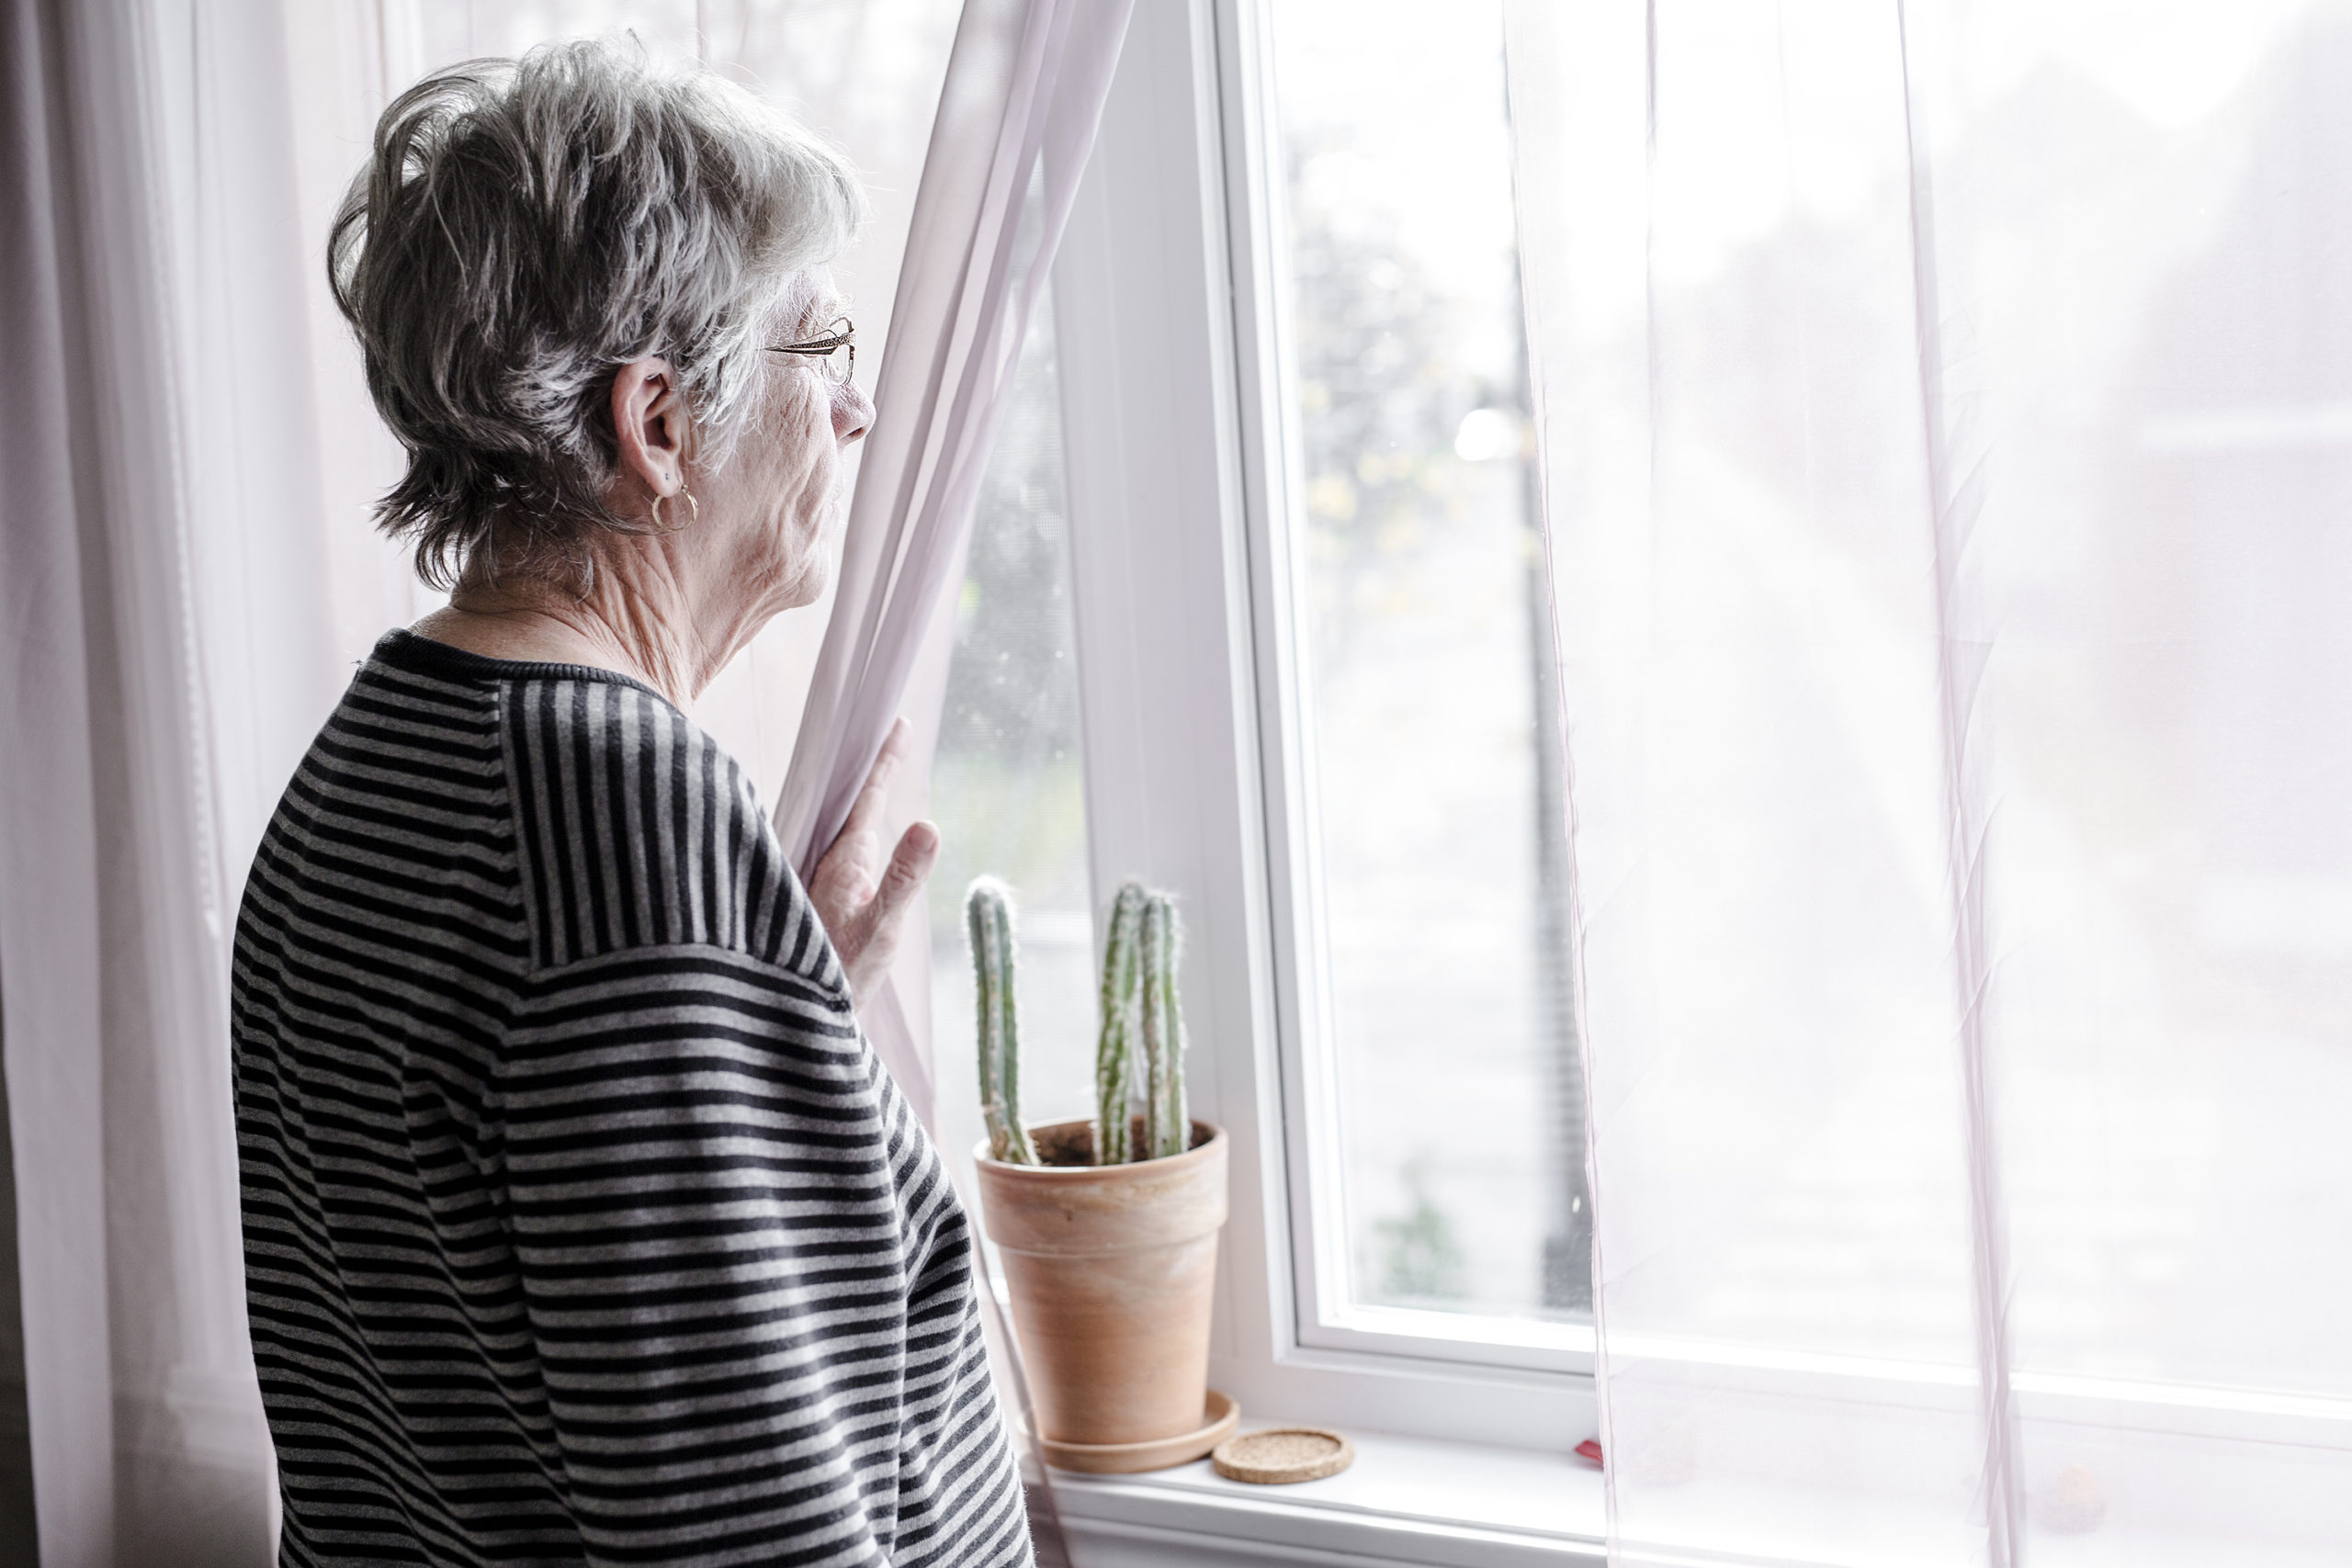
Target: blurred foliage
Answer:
[[1013, 685], [1007, 782], [1382, 389], [1421, 1260], [1000, 815]]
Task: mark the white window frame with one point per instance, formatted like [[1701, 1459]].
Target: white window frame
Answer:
[[1175, 434]]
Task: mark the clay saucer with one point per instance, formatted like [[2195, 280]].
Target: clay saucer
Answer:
[[1218, 1419]]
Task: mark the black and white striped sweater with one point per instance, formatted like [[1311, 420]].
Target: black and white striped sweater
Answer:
[[581, 1223]]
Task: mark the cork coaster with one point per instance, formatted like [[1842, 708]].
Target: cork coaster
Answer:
[[1282, 1454]]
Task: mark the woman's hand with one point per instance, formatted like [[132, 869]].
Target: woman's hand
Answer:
[[866, 912]]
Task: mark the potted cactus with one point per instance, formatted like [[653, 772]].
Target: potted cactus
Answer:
[[1107, 1228]]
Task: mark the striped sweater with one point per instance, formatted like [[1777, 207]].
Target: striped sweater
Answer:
[[581, 1223]]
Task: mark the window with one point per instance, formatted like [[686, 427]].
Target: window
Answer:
[[1445, 1116], [1433, 874], [1280, 557]]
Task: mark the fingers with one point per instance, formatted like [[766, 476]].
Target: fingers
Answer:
[[865, 912], [881, 922], [845, 872], [865, 812], [910, 866], [901, 889]]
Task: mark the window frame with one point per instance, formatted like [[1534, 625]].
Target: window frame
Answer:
[[1167, 311]]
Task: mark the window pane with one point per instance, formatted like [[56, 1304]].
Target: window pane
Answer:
[[1006, 784], [1426, 667]]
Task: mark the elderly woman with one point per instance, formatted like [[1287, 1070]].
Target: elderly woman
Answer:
[[582, 1225]]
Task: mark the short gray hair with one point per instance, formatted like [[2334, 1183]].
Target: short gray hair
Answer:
[[524, 228]]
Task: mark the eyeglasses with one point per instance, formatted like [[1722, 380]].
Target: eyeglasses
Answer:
[[836, 352]]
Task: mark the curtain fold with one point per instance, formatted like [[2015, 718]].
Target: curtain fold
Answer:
[[1024, 91], [48, 944], [1941, 409], [165, 664], [1954, 454]]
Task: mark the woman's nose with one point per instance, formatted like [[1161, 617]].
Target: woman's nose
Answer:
[[853, 412]]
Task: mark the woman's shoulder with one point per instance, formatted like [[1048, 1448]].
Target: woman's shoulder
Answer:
[[635, 829]]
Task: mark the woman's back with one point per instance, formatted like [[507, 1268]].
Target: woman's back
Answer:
[[581, 1224]]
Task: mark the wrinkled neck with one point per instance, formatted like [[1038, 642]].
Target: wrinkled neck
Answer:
[[645, 614]]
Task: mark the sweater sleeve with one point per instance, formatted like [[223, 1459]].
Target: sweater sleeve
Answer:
[[747, 1280]]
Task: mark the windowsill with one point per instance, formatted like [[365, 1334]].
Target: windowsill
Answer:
[[1404, 1500]]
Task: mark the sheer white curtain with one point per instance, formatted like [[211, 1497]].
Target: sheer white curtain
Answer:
[[162, 658], [1945, 412], [1017, 115]]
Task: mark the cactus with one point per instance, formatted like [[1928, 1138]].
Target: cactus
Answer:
[[1167, 1122], [988, 915], [1142, 1043], [1114, 1054]]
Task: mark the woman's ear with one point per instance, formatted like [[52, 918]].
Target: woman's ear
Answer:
[[650, 423]]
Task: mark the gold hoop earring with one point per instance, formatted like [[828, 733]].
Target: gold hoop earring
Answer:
[[693, 513]]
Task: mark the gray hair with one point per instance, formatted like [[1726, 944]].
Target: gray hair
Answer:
[[524, 228]]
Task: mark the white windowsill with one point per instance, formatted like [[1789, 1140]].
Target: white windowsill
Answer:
[[1405, 1500]]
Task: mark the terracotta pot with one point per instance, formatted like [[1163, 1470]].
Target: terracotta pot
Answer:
[[1113, 1271]]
